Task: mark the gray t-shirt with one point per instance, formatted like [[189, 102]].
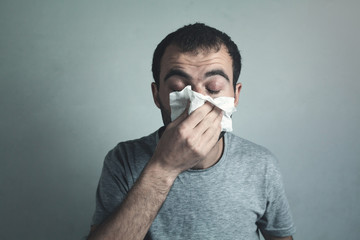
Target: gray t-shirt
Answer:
[[240, 194]]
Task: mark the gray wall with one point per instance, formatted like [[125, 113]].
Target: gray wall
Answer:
[[75, 80]]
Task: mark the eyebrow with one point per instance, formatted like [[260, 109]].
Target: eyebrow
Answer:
[[181, 73], [217, 72], [177, 72]]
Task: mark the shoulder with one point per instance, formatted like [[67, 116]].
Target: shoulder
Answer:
[[250, 157], [254, 161], [245, 148], [132, 153], [143, 144]]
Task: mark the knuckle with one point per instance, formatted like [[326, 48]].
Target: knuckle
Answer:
[[189, 142], [181, 131]]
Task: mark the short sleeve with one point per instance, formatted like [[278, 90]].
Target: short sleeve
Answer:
[[111, 190], [277, 220]]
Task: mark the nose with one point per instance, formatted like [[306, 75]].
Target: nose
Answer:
[[199, 89]]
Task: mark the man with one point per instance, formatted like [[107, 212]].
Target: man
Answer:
[[190, 180]]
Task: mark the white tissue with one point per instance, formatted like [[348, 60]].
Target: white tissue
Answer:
[[179, 101]]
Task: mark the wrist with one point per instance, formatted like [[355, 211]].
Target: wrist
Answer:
[[159, 174]]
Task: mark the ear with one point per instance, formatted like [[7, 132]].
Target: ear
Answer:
[[155, 93], [237, 93]]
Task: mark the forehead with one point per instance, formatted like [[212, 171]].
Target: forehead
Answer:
[[191, 61]]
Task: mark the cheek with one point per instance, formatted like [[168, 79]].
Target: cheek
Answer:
[[164, 99]]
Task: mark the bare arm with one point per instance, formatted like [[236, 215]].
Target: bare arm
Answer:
[[185, 142], [136, 213]]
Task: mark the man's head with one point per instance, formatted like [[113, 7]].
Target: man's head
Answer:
[[195, 55], [193, 38]]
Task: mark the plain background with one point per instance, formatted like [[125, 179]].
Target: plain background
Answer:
[[75, 80]]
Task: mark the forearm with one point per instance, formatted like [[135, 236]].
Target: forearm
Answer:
[[135, 215]]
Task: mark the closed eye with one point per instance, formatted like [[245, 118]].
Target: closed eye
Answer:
[[213, 91]]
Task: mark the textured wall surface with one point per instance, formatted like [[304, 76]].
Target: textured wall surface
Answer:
[[75, 80]]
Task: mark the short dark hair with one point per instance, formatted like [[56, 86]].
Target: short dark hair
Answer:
[[194, 37]]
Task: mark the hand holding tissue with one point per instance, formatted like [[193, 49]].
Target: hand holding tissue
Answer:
[[179, 102]]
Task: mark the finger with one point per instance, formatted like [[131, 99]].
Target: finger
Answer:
[[211, 135], [199, 114], [208, 121]]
